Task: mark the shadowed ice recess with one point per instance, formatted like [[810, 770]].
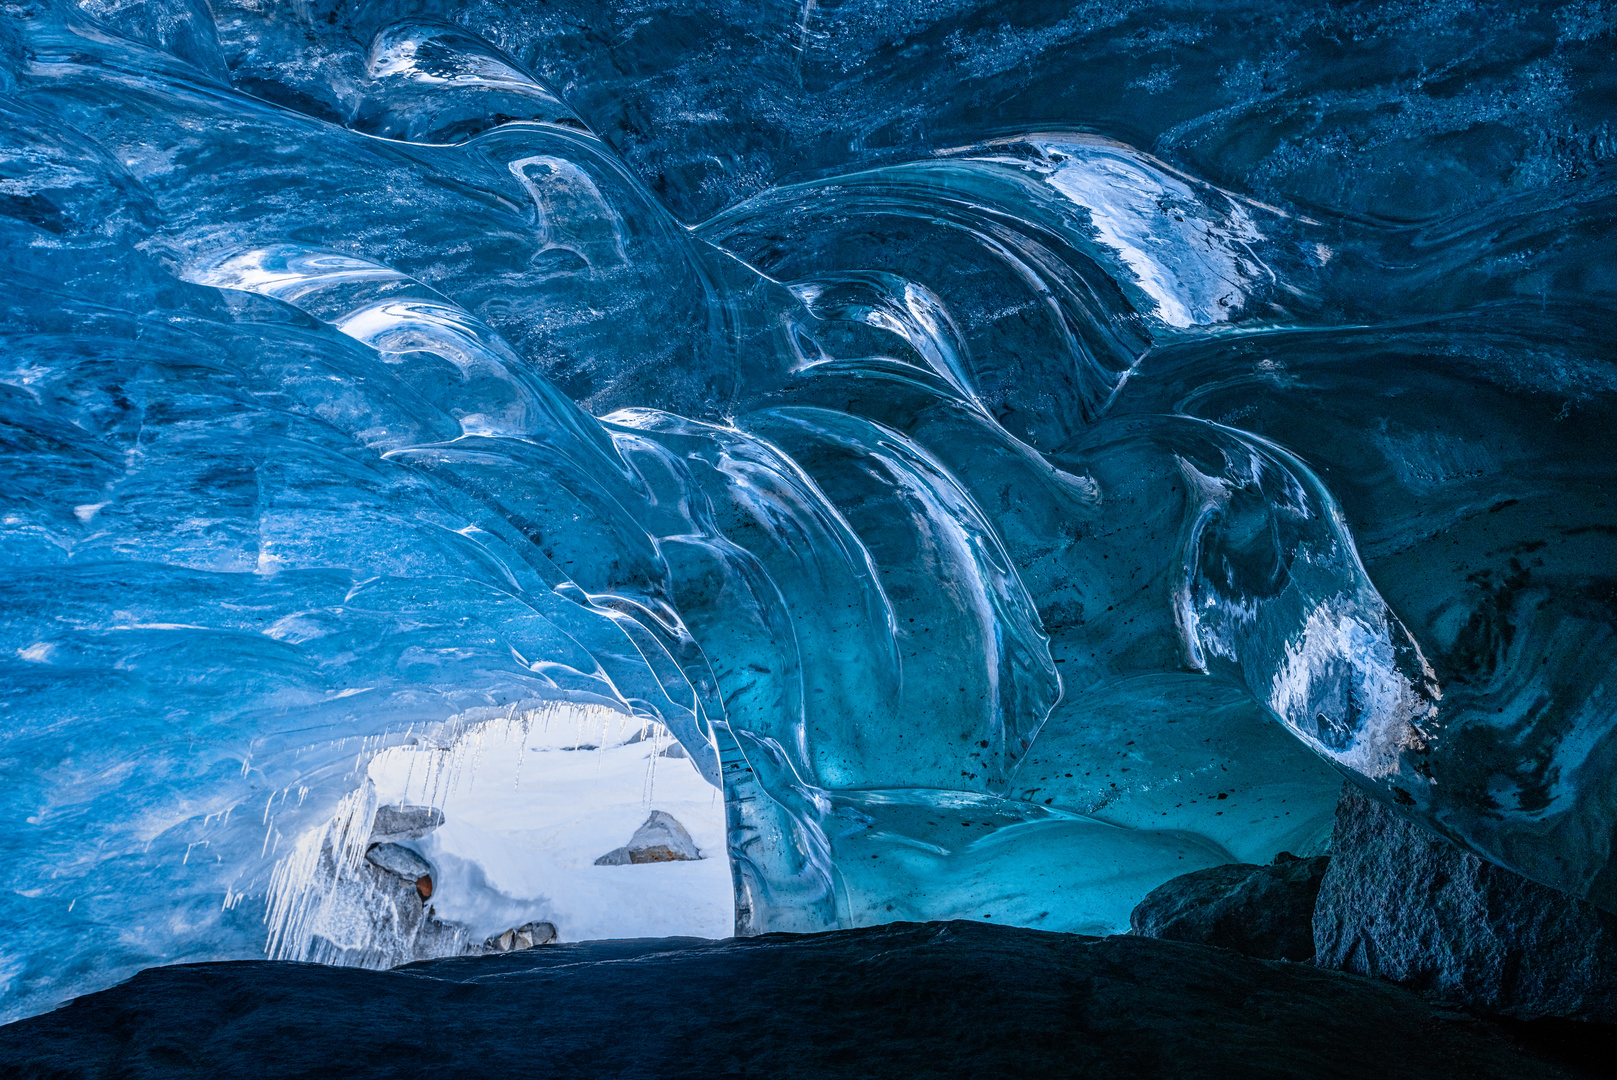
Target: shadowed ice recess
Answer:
[[1003, 517]]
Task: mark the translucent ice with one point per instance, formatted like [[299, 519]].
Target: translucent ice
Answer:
[[1021, 453]]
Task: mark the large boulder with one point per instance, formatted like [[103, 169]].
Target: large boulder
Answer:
[[661, 839], [1263, 911], [1402, 903]]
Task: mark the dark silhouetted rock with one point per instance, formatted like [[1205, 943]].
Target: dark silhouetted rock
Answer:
[[905, 1000], [1401, 903], [661, 839], [1263, 911], [404, 822]]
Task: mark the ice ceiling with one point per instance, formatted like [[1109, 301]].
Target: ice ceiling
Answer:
[[1023, 451]]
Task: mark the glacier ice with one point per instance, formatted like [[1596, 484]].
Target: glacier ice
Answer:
[[1021, 452]]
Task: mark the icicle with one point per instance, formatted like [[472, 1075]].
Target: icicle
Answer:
[[297, 888]]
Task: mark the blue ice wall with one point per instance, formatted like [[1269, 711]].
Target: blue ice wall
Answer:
[[1023, 451]]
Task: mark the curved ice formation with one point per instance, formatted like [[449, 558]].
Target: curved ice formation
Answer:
[[1007, 518]]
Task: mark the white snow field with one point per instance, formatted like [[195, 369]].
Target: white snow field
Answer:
[[530, 803]]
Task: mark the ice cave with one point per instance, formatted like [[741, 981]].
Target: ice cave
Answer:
[[830, 538]]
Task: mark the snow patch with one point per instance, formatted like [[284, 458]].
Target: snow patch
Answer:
[[531, 801]]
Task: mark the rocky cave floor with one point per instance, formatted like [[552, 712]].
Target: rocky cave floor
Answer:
[[937, 999], [1396, 956]]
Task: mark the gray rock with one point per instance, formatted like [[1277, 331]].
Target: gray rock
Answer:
[[647, 732], [1263, 911], [525, 936], [399, 860], [1403, 904], [404, 822], [660, 839]]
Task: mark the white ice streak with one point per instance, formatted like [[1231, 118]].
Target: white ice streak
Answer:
[[1388, 705], [1196, 265], [398, 52]]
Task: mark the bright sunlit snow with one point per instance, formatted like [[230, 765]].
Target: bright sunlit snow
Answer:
[[526, 815]]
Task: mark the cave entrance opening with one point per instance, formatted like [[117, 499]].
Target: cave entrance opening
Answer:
[[562, 822]]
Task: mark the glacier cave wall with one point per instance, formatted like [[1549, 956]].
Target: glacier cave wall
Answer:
[[1022, 451]]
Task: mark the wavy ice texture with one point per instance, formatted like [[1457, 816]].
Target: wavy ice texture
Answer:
[[1006, 517]]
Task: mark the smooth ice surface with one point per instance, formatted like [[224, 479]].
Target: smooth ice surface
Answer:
[[1020, 451]]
